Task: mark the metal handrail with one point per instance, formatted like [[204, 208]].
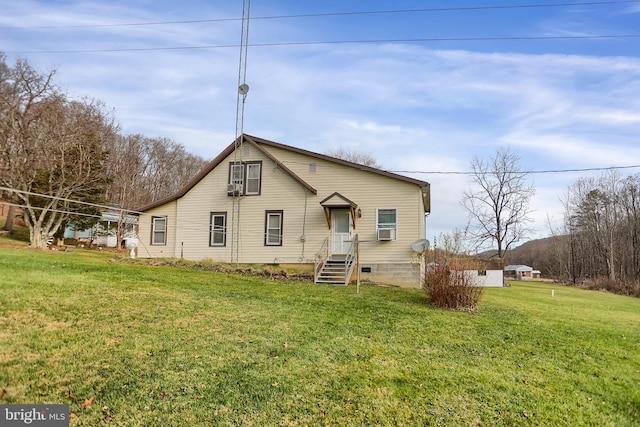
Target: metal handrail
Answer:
[[349, 263], [321, 258]]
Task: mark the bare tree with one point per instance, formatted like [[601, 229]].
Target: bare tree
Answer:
[[630, 201], [147, 169], [51, 151], [70, 153], [498, 202], [355, 156], [6, 91], [603, 214]]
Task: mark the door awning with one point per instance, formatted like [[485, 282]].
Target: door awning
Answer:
[[338, 201]]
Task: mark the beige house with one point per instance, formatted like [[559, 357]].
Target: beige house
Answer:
[[262, 202]]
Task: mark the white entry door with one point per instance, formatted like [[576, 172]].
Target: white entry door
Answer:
[[341, 229]]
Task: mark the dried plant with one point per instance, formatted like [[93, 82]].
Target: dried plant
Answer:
[[450, 277]]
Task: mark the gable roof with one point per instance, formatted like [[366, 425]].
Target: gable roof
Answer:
[[258, 143], [337, 200]]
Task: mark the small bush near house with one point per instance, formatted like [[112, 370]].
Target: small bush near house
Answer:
[[450, 286], [449, 277]]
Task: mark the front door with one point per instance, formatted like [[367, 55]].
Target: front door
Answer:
[[341, 231]]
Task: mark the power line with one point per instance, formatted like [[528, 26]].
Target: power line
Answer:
[[526, 171], [130, 211], [38, 208], [329, 42], [329, 14], [65, 199]]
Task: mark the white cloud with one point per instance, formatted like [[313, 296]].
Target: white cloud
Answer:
[[410, 106]]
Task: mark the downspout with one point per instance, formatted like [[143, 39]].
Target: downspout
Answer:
[[303, 238]]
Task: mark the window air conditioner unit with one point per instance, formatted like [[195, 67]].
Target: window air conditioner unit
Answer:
[[234, 189], [386, 233]]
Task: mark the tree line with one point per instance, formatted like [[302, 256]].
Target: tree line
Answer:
[[62, 159], [602, 229], [598, 244]]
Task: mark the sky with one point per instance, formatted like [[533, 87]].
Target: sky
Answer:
[[423, 86]]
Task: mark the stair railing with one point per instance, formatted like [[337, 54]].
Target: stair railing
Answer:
[[350, 264], [320, 259]]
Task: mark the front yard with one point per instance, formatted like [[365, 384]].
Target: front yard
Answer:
[[139, 345]]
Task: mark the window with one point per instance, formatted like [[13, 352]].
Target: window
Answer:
[[246, 176], [386, 224], [218, 229], [387, 218], [273, 228], [236, 175], [253, 178], [158, 230]]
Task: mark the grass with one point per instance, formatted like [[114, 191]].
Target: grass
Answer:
[[138, 345]]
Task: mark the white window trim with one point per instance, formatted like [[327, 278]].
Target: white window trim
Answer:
[[268, 214], [232, 175], [259, 179], [385, 225], [154, 230], [224, 229], [243, 180]]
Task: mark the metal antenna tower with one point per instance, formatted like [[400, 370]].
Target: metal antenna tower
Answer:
[[237, 171]]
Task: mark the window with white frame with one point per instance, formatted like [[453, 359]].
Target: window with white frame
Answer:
[[218, 227], [159, 230], [386, 224], [236, 174], [273, 228], [253, 171], [246, 177]]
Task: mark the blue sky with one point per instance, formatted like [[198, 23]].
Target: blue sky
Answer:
[[426, 106]]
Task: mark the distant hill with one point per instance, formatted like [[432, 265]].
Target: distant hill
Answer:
[[536, 253]]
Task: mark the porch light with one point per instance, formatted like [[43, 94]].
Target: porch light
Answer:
[[359, 213]]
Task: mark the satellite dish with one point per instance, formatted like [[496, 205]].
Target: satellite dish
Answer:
[[420, 245], [243, 89]]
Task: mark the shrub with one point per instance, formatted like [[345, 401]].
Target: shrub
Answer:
[[619, 287], [450, 276], [453, 288]]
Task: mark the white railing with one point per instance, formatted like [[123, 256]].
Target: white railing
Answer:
[[321, 258], [350, 260]]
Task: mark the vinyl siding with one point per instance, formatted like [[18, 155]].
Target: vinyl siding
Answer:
[[145, 248], [302, 213]]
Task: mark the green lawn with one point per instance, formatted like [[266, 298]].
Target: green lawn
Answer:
[[173, 346]]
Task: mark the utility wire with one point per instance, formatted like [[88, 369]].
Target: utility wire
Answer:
[[328, 42], [38, 208], [525, 172], [544, 171], [64, 199], [131, 211], [348, 13]]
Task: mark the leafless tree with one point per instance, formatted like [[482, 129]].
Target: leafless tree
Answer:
[[143, 170], [498, 201], [603, 222], [147, 169], [62, 158], [355, 156], [50, 150], [630, 201]]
